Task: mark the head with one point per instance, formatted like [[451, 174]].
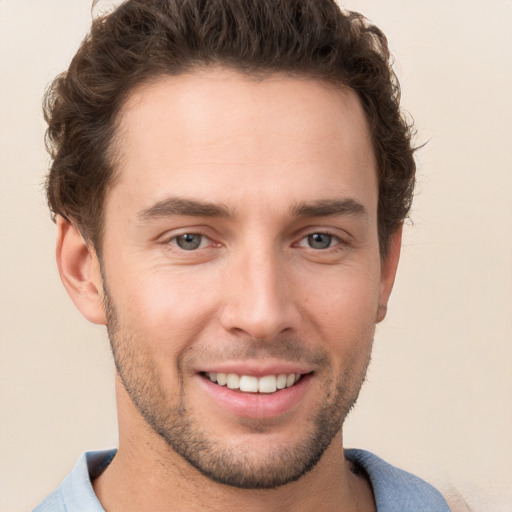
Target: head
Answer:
[[143, 41], [230, 182]]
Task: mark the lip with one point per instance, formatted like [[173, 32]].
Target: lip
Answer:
[[256, 369], [256, 405]]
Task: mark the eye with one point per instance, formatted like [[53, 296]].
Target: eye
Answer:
[[189, 241], [319, 241]]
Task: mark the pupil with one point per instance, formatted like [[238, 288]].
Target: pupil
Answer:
[[319, 240], [189, 241]]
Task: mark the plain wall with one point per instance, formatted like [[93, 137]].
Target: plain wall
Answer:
[[438, 400]]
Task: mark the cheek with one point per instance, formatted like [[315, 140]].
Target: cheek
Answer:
[[166, 309], [344, 310], [344, 297]]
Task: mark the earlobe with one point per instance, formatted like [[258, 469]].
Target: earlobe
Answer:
[[79, 271], [388, 272]]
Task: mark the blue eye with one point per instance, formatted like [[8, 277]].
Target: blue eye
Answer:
[[189, 241], [320, 240]]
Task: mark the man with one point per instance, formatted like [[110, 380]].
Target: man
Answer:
[[229, 181]]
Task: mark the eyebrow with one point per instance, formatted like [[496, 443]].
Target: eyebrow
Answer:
[[187, 207], [329, 207]]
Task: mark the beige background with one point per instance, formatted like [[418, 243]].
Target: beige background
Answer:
[[438, 400]]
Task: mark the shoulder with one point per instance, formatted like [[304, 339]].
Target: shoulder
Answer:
[[76, 493], [397, 490]]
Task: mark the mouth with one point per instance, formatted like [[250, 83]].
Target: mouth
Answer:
[[257, 393], [266, 384]]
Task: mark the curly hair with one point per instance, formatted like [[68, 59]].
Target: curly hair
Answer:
[[143, 40]]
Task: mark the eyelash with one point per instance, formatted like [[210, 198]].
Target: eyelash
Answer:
[[335, 242], [174, 241]]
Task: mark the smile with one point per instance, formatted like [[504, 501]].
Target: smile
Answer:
[[252, 384]]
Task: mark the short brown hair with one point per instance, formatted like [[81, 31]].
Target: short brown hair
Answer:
[[145, 39]]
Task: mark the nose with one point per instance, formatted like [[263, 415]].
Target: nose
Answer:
[[260, 297]]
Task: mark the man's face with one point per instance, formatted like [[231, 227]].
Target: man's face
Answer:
[[241, 244]]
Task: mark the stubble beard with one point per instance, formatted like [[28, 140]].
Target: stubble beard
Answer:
[[182, 432]]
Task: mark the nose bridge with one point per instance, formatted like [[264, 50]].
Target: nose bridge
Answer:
[[260, 302]]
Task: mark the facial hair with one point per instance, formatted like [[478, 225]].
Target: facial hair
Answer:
[[168, 413]]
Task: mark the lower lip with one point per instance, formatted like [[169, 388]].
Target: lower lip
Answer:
[[257, 405]]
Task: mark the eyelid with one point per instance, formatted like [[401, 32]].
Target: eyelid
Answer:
[[336, 232], [174, 232]]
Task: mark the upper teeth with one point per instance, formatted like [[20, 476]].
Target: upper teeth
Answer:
[[251, 384]]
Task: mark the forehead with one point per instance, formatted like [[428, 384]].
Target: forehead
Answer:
[[218, 134]]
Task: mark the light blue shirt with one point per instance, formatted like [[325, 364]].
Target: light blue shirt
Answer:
[[395, 490]]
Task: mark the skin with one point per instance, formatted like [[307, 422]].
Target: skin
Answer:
[[267, 164]]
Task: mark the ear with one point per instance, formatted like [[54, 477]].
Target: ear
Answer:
[[388, 272], [79, 271]]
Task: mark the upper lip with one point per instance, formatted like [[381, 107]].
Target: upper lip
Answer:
[[257, 368]]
